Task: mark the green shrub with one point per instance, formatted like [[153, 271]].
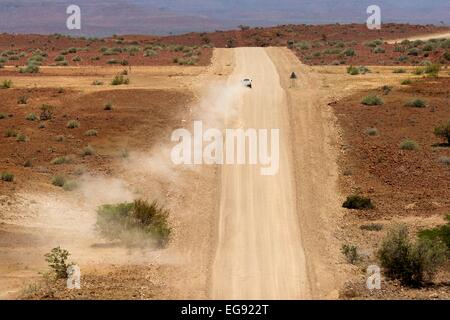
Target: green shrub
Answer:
[[411, 263], [440, 233], [349, 52], [60, 58], [61, 160], [416, 103], [32, 117], [358, 202], [20, 137], [6, 84], [10, 133], [418, 71], [7, 176], [22, 100], [372, 100], [134, 223], [409, 144], [351, 253], [58, 181], [399, 70], [352, 70], [91, 133], [372, 131], [447, 55], [30, 68], [379, 50], [433, 69], [57, 261], [372, 227], [406, 82], [3, 115], [119, 80], [88, 151], [443, 131], [73, 124]]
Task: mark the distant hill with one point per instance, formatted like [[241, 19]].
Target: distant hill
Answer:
[[106, 17]]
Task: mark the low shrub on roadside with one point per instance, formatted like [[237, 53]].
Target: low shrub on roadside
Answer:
[[134, 223], [372, 100], [58, 181], [416, 103], [409, 144], [88, 151], [405, 82], [119, 80], [7, 177], [73, 124], [372, 227], [372, 131], [351, 253], [22, 100], [443, 131], [412, 263], [57, 261], [441, 233], [358, 202], [32, 117], [6, 84]]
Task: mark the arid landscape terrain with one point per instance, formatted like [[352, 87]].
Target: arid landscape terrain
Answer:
[[87, 122]]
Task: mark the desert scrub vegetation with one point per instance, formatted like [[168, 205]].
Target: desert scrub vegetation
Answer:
[[108, 106], [408, 144], [136, 223], [91, 133], [7, 177], [20, 137], [406, 82], [46, 112], [88, 151], [443, 131], [73, 124], [399, 70], [372, 131], [416, 103], [3, 115], [371, 227], [58, 181], [119, 80], [6, 84], [57, 261], [358, 202], [32, 117], [372, 100], [61, 160], [22, 100], [412, 263], [10, 133], [352, 70], [439, 233], [351, 253]]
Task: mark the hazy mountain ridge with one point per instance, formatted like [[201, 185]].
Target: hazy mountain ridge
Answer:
[[103, 17]]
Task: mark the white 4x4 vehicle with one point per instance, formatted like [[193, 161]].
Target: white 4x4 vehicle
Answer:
[[247, 82]]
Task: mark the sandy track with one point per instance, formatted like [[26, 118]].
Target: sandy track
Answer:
[[259, 253]]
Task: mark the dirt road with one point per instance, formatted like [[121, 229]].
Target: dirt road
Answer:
[[259, 253]]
